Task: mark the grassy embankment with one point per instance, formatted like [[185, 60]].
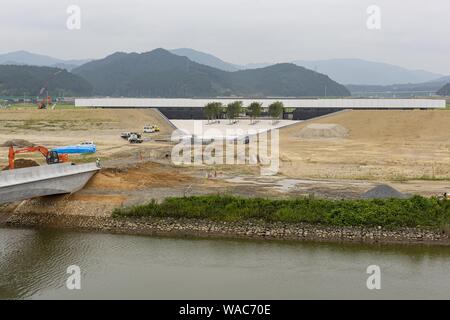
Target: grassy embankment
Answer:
[[18, 106], [389, 213]]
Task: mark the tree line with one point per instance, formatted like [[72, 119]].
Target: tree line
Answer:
[[216, 110]]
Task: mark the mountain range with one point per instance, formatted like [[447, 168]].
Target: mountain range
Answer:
[[186, 72], [399, 90], [345, 71], [33, 59], [160, 73], [215, 62], [357, 71]]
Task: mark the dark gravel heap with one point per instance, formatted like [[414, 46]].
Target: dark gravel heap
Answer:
[[23, 163], [384, 191]]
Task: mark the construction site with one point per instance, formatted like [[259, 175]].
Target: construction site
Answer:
[[347, 154]]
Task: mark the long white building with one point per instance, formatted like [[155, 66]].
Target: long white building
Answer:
[[297, 109]]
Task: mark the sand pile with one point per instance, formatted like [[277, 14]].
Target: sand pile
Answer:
[[23, 163], [384, 191], [20, 143], [323, 130]]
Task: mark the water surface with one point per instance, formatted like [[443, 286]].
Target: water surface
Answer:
[[33, 264]]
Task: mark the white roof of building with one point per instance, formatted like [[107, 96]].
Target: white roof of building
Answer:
[[289, 103]]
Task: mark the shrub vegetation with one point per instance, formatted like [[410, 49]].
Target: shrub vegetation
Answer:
[[414, 212]]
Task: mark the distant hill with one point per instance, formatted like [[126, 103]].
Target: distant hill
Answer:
[[346, 71], [441, 80], [215, 62], [160, 73], [285, 80], [33, 59], [28, 81], [255, 65], [400, 90], [361, 72], [444, 91], [206, 59]]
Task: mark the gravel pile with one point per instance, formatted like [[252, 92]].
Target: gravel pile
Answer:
[[384, 191], [23, 163]]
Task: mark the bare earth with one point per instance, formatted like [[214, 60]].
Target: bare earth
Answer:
[[53, 128], [382, 145], [409, 150]]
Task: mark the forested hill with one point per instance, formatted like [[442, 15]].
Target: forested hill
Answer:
[[28, 80], [445, 90], [160, 73]]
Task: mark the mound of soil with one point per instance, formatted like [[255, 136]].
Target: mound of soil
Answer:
[[384, 191], [135, 178], [323, 130], [20, 143], [23, 163]]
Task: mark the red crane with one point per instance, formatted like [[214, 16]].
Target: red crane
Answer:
[[51, 157], [46, 100]]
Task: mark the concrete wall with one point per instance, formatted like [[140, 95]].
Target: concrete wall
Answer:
[[27, 175], [304, 109], [289, 103], [183, 113], [21, 184]]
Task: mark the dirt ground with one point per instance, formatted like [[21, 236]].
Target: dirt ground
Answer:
[[409, 150], [381, 145], [52, 128]]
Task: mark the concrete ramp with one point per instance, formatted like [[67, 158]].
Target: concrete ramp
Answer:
[[27, 183]]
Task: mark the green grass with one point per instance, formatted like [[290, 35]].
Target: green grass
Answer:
[[390, 213], [18, 106]]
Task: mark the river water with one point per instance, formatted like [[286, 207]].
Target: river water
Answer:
[[33, 265]]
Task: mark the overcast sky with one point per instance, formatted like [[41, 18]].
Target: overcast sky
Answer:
[[413, 34]]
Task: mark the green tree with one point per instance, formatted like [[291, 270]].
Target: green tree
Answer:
[[254, 109], [208, 110], [218, 110], [234, 109], [276, 110], [213, 110]]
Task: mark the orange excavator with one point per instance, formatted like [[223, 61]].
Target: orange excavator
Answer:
[[51, 157]]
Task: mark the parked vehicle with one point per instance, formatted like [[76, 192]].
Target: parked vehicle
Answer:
[[127, 135], [135, 138], [151, 129], [87, 143]]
